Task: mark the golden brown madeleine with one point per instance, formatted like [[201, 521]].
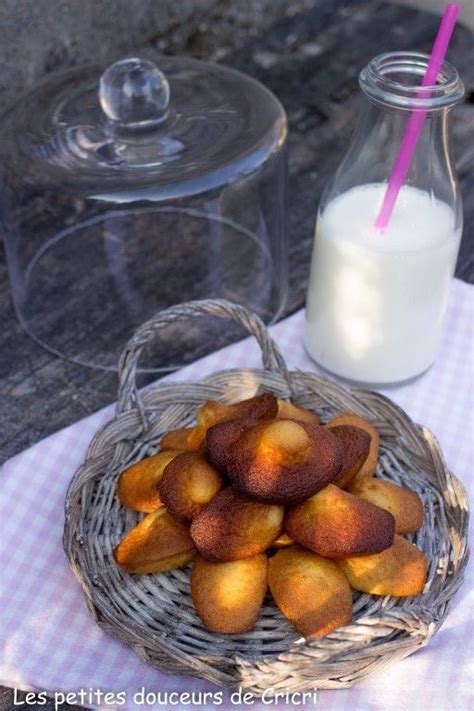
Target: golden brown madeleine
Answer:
[[311, 591], [404, 505], [355, 450], [337, 524], [157, 543], [136, 486], [228, 596], [177, 439], [187, 484], [283, 541], [279, 462], [232, 527], [220, 439], [370, 465], [286, 410], [260, 407], [400, 570]]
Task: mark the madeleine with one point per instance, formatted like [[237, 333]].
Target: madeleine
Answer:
[[279, 462], [400, 570], [177, 439], [137, 485], [260, 407], [337, 524], [355, 444], [228, 596], [370, 465], [188, 484], [405, 505], [156, 544], [311, 591], [286, 410], [232, 527]]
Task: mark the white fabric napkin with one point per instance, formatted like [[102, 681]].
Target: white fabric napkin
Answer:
[[49, 640]]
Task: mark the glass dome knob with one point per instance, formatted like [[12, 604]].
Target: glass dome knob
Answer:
[[133, 92]]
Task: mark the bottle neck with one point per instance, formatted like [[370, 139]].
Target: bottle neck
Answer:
[[394, 82], [385, 109], [375, 145]]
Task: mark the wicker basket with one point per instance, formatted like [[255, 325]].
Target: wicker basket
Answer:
[[154, 614]]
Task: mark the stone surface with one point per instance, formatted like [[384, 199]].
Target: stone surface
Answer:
[[41, 36], [309, 59]]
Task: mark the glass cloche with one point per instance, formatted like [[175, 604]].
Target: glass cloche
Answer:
[[129, 189]]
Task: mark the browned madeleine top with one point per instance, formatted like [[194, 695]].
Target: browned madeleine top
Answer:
[[279, 462], [336, 524], [355, 447], [232, 527], [255, 409]]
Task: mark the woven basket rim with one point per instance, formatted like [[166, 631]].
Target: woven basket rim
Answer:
[[338, 660]]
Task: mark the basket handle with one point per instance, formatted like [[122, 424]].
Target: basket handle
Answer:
[[128, 397]]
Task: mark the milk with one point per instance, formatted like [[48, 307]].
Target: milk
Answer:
[[376, 300]]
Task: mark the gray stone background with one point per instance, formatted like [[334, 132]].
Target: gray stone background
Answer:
[[40, 36]]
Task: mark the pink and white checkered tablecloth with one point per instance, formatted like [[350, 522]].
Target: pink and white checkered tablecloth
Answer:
[[48, 639]]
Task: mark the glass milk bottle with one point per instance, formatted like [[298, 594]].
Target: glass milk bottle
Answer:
[[377, 298]]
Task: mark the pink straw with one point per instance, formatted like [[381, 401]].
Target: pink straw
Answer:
[[417, 118]]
